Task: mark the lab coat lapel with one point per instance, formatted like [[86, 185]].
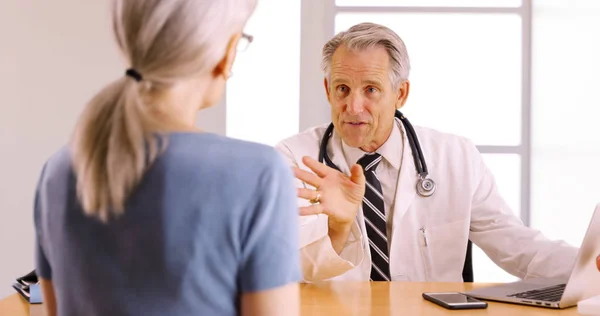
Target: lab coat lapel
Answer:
[[407, 180], [336, 155]]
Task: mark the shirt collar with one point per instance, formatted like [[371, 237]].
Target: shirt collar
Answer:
[[391, 150]]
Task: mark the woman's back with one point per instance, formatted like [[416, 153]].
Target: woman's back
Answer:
[[212, 218]]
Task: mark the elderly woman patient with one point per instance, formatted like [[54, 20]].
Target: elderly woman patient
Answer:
[[143, 214]]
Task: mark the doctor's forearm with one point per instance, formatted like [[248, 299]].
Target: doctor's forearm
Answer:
[[339, 237]]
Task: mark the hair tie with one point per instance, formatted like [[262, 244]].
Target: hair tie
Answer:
[[134, 74]]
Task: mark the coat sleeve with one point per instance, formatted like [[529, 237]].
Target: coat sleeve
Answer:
[[520, 250], [319, 260]]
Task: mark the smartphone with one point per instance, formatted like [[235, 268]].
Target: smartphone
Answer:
[[454, 300]]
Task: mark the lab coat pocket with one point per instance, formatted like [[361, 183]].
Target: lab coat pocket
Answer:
[[425, 257], [443, 250]]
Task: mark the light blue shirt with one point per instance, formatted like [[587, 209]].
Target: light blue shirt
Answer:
[[212, 218]]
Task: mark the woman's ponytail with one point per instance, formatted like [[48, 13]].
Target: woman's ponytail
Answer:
[[112, 148]]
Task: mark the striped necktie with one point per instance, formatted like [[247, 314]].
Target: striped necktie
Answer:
[[374, 214]]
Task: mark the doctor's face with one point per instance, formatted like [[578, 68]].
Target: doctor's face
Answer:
[[362, 98]]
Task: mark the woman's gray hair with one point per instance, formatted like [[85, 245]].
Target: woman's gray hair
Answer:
[[367, 35], [165, 42]]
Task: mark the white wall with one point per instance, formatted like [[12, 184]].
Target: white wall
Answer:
[[54, 55]]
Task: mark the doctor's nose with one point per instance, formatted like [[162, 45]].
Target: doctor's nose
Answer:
[[355, 105]]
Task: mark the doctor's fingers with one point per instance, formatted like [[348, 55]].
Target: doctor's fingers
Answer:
[[317, 167], [308, 194], [308, 177], [311, 210]]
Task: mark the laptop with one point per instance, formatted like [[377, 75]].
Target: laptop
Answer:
[[583, 283]]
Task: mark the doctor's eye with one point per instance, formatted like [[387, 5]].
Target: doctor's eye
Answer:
[[342, 89], [372, 90]]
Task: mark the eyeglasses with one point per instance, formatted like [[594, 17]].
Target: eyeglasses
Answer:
[[244, 42]]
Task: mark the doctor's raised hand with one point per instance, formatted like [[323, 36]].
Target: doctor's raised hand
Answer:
[[337, 195]]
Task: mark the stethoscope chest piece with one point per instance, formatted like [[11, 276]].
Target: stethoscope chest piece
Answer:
[[425, 187]]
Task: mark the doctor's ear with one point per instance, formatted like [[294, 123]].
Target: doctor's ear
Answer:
[[403, 91], [326, 84]]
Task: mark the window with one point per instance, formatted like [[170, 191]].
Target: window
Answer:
[[430, 3], [263, 94], [565, 112]]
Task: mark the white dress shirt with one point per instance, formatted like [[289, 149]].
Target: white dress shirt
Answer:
[[387, 171]]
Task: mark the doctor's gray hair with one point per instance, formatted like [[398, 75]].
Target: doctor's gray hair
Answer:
[[365, 36], [165, 42]]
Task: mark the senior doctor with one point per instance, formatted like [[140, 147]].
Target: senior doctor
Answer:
[[422, 195]]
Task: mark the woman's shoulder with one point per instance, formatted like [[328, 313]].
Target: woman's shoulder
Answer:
[[216, 150]]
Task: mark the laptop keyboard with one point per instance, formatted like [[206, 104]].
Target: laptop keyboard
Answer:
[[548, 294]]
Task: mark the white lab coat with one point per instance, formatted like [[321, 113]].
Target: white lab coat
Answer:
[[429, 235]]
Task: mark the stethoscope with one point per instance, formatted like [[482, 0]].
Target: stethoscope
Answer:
[[425, 186]]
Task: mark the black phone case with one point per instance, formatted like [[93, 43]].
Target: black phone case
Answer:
[[447, 306]]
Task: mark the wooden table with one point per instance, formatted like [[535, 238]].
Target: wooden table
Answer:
[[360, 298], [400, 298]]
